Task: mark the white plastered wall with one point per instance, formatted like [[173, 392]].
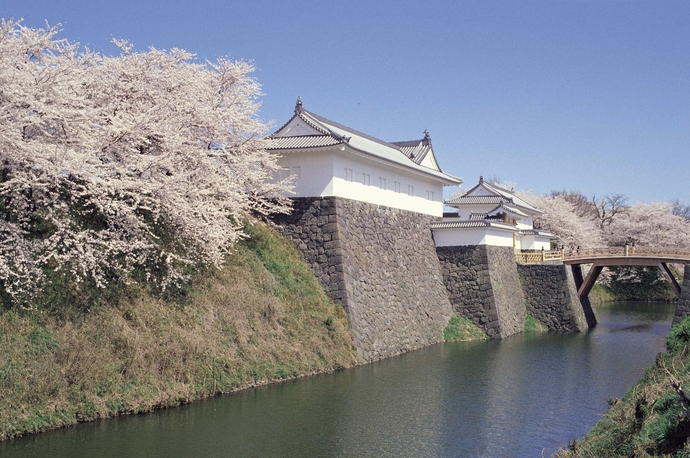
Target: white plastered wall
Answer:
[[336, 172], [532, 242], [473, 236]]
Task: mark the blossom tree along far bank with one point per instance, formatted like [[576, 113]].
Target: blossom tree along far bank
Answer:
[[577, 221], [145, 162]]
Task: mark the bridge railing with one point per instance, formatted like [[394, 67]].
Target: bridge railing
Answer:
[[533, 257], [628, 250]]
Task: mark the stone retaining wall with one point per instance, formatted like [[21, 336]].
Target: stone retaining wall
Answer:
[[484, 287], [551, 296], [378, 262]]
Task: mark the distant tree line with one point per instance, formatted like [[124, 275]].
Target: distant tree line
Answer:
[[579, 221]]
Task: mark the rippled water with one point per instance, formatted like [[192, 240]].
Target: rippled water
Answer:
[[525, 396]]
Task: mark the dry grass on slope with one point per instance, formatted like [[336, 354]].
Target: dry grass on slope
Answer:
[[261, 318]]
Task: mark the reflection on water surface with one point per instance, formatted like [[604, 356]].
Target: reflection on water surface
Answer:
[[521, 397]]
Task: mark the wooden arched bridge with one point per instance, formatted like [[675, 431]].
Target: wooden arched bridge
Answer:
[[628, 255]]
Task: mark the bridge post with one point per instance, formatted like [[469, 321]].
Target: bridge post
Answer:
[[668, 275], [683, 308], [584, 299]]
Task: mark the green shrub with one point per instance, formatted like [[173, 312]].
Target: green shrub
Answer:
[[460, 328], [534, 325], [653, 418], [678, 337]]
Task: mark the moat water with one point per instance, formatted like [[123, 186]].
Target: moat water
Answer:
[[525, 396]]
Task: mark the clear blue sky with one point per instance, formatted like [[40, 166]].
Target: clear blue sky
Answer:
[[590, 96]]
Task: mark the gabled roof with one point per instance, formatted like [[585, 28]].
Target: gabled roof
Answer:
[[536, 232], [473, 200], [308, 130], [507, 209], [464, 224], [419, 151], [485, 193], [478, 216]]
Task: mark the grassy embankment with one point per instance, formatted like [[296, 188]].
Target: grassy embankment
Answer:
[[645, 286], [460, 328], [601, 294], [261, 318], [653, 418], [534, 325]]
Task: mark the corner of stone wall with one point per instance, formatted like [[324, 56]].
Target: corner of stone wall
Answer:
[[507, 291], [484, 287], [380, 264], [398, 299], [312, 227], [551, 296], [683, 309]]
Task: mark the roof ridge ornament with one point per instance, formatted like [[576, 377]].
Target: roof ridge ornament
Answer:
[[427, 138], [298, 105]]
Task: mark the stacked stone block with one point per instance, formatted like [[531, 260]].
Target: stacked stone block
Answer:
[[483, 285], [378, 262], [551, 296]]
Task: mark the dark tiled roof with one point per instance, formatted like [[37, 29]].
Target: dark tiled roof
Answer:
[[306, 141], [445, 224], [333, 133], [415, 150], [476, 200], [508, 208], [536, 232], [498, 195]]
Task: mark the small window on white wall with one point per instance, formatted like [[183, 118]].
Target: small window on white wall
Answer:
[[397, 186], [348, 174], [382, 183], [283, 173], [430, 195], [366, 179], [410, 190]]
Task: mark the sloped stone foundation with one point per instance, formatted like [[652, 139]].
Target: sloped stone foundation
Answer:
[[551, 296], [378, 262], [484, 287]]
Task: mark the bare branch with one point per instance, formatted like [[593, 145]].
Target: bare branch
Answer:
[[608, 207]]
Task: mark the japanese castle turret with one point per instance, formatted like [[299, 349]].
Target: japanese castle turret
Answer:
[[328, 159], [488, 214], [361, 217]]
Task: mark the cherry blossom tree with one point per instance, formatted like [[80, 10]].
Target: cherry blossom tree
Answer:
[[583, 207], [144, 161], [645, 225], [649, 225], [566, 221]]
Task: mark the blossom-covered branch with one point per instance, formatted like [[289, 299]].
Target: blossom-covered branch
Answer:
[[145, 160]]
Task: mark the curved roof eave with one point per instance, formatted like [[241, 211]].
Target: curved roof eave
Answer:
[[413, 167], [358, 143]]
